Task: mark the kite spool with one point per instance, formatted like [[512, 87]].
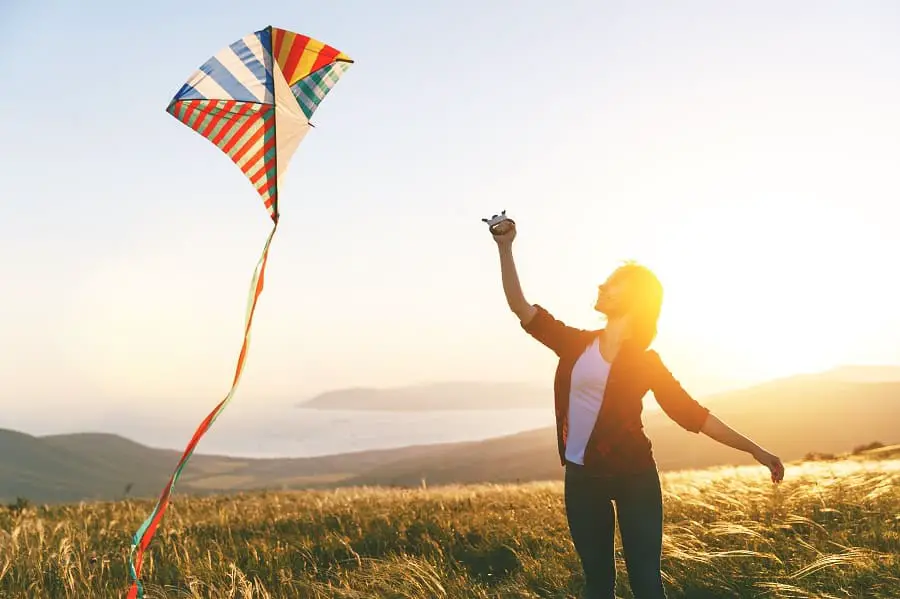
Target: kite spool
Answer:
[[496, 223]]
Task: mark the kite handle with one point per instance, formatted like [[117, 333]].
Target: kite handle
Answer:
[[495, 221]]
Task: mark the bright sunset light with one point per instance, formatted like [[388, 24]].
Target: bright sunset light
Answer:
[[434, 402]]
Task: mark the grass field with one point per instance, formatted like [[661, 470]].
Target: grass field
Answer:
[[832, 529]]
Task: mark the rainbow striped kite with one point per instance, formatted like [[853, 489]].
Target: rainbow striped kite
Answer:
[[253, 100]]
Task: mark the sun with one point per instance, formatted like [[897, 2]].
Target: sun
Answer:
[[755, 281]]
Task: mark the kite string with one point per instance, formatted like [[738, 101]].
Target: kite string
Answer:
[[144, 534]]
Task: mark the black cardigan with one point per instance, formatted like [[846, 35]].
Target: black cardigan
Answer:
[[618, 444]]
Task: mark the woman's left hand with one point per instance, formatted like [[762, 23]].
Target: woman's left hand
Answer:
[[770, 461]]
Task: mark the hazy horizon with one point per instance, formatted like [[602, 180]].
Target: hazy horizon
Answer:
[[278, 429], [746, 154]]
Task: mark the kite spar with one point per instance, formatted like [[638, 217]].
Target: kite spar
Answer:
[[253, 100]]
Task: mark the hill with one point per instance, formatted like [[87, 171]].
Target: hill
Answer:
[[867, 374], [792, 417], [86, 466], [500, 396], [436, 396]]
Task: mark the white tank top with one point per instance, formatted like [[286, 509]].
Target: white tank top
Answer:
[[585, 398]]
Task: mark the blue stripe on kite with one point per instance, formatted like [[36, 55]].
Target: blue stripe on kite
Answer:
[[188, 93], [227, 81], [265, 41], [251, 62]]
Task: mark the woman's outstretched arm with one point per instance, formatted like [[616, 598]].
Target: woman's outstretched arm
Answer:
[[719, 431], [686, 411], [512, 289], [515, 298], [535, 319]]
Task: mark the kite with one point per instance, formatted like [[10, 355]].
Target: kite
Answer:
[[253, 100]]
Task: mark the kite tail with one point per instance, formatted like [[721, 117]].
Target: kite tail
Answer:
[[144, 534]]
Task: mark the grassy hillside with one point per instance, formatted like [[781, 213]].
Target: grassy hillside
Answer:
[[792, 418], [63, 468], [830, 530]]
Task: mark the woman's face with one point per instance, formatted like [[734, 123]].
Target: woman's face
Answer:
[[612, 297]]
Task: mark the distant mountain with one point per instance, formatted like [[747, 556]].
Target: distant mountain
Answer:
[[791, 417], [503, 396], [864, 374], [436, 396]]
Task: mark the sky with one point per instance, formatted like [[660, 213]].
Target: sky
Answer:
[[747, 152]]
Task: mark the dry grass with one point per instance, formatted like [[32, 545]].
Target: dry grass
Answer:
[[831, 530]]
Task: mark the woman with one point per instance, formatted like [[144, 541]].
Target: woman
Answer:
[[600, 381]]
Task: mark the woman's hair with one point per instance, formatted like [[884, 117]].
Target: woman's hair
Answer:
[[644, 298]]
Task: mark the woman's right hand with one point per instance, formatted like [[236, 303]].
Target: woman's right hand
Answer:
[[504, 232]]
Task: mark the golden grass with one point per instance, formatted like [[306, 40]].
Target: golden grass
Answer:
[[832, 529]]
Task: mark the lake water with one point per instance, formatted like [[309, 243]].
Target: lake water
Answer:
[[308, 432]]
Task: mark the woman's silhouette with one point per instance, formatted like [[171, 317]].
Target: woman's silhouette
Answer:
[[601, 379]]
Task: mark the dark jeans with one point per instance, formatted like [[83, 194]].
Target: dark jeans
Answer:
[[589, 509]]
